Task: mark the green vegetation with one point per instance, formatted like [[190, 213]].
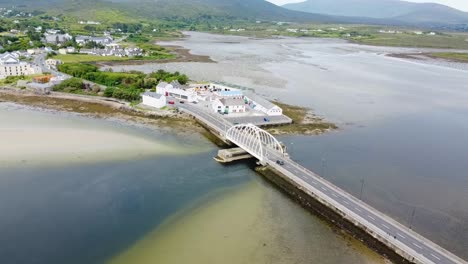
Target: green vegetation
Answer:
[[84, 58], [77, 86], [449, 41], [303, 122], [121, 85], [15, 79], [462, 57]]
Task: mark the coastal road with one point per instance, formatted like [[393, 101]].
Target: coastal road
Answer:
[[381, 225]]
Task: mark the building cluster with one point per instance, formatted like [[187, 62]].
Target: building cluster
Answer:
[[114, 50], [11, 65], [104, 40], [217, 98]]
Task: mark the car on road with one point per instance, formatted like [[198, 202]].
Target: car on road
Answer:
[[171, 102], [182, 102], [280, 162], [266, 119]]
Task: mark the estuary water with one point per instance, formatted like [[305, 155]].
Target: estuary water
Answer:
[[75, 189], [403, 124]]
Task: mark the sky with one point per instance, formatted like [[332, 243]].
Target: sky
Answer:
[[459, 4]]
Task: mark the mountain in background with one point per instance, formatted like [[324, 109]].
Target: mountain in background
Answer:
[[394, 10], [377, 12], [224, 9]]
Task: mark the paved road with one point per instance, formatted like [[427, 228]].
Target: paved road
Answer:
[[402, 237]]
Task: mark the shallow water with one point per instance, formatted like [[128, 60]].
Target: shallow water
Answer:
[[142, 206], [249, 224], [402, 123]]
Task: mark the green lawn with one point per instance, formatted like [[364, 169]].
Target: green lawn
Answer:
[[82, 58], [451, 56], [452, 41], [79, 58]]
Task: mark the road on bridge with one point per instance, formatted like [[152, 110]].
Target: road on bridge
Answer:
[[402, 237]]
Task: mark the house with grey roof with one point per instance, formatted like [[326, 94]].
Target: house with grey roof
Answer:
[[261, 104], [229, 105]]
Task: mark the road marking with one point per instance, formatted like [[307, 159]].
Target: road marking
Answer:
[[344, 201], [386, 226], [417, 245], [323, 188], [401, 235], [357, 209], [371, 217], [314, 183], [335, 195], [435, 256]]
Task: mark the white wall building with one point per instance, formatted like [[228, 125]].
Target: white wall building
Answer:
[[228, 105], [10, 65], [154, 99], [52, 64], [260, 104], [167, 89]]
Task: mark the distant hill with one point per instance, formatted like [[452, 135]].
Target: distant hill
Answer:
[[225, 9], [394, 10], [380, 12]]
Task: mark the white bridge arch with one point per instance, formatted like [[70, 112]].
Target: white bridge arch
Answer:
[[256, 141]]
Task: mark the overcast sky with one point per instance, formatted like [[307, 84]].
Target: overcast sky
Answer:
[[460, 4]]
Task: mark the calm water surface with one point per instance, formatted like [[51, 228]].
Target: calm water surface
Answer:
[[164, 208], [403, 124]]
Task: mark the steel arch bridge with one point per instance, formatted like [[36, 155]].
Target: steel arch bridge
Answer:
[[256, 141]]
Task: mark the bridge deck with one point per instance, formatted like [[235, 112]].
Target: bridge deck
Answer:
[[415, 247]]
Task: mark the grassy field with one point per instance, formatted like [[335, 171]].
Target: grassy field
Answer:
[[83, 58], [463, 57], [449, 41], [79, 58]]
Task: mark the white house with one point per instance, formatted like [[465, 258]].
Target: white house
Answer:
[[228, 105], [57, 38], [154, 99], [167, 89], [260, 104], [52, 64]]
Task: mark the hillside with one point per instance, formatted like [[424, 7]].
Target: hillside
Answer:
[[219, 9], [395, 10]]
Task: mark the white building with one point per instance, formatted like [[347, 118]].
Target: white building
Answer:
[[57, 38], [52, 64], [228, 105], [180, 92], [154, 99], [261, 104], [10, 65]]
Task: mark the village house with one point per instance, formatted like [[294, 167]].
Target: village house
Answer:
[[176, 90], [52, 63], [261, 104], [57, 38], [228, 105], [154, 100]]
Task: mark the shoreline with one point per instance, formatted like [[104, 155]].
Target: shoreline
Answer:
[[102, 108], [304, 122]]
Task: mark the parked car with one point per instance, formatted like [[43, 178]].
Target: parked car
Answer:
[[266, 119], [182, 102], [280, 162], [171, 102]]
